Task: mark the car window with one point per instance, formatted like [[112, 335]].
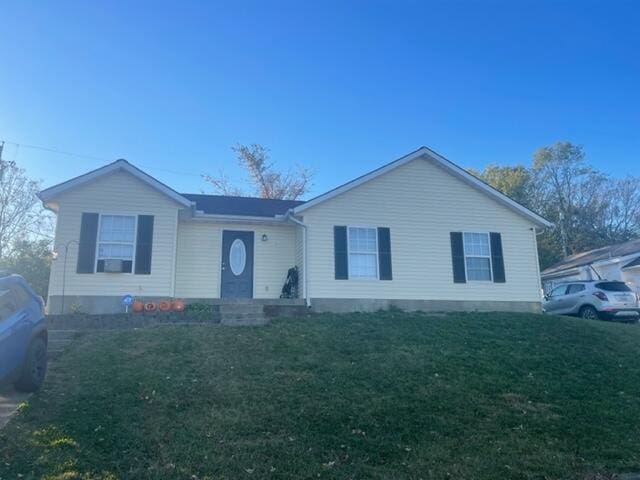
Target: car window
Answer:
[[7, 303], [559, 290], [575, 288], [21, 295], [613, 286]]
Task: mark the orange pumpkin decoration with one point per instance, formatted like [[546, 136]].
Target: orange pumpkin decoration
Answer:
[[150, 307], [137, 306], [178, 306], [164, 305]]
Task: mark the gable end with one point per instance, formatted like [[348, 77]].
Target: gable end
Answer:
[[447, 165], [51, 193]]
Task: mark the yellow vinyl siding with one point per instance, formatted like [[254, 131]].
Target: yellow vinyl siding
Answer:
[[121, 194], [421, 203], [199, 256]]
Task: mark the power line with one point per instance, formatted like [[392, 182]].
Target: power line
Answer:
[[92, 157], [39, 234], [54, 150]]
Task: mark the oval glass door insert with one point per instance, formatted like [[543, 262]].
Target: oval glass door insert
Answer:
[[237, 257]]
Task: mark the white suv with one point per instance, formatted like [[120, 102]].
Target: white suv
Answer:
[[593, 299]]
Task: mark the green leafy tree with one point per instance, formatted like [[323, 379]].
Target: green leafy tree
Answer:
[[513, 181], [589, 208], [32, 260]]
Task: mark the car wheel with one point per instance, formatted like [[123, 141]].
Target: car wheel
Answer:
[[589, 313], [35, 367]]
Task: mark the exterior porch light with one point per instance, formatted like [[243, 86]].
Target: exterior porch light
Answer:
[[264, 237]]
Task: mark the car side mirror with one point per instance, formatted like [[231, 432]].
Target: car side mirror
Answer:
[[547, 297]]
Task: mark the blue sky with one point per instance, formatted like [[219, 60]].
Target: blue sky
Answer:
[[339, 86]]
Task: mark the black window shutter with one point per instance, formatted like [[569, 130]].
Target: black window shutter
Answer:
[[144, 244], [457, 258], [384, 253], [87, 243], [341, 253], [497, 260]]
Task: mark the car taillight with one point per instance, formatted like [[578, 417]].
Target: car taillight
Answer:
[[601, 296]]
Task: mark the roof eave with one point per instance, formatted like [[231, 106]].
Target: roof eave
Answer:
[[561, 273], [211, 217]]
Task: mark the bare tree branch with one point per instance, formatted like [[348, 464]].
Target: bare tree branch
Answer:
[[222, 185], [267, 182], [21, 215]]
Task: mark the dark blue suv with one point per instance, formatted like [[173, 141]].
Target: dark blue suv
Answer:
[[23, 334]]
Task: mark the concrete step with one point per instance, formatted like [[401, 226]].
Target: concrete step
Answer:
[[58, 336], [9, 401], [240, 316], [53, 354], [241, 308], [60, 331], [257, 301], [8, 409], [53, 335], [248, 320], [59, 340]]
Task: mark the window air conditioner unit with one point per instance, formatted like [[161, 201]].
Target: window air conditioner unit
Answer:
[[113, 266]]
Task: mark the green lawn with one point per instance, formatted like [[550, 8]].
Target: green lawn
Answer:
[[387, 395]]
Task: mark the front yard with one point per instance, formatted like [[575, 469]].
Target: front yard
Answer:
[[390, 395]]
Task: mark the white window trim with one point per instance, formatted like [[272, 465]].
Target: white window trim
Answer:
[[135, 241], [349, 252], [466, 274]]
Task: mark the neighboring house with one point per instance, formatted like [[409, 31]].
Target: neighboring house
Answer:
[[417, 233], [613, 262]]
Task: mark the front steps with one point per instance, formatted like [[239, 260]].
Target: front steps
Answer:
[[256, 311], [59, 340], [238, 313]]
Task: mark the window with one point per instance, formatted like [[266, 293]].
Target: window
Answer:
[[575, 288], [237, 257], [21, 296], [613, 287], [116, 241], [363, 252], [559, 290], [7, 303], [477, 254]]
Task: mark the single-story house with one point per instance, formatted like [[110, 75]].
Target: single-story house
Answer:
[[418, 233], [613, 262]]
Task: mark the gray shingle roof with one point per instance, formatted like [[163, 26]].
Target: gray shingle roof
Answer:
[[244, 206], [590, 256]]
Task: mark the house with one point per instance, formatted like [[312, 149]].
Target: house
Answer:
[[417, 233], [613, 262]]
